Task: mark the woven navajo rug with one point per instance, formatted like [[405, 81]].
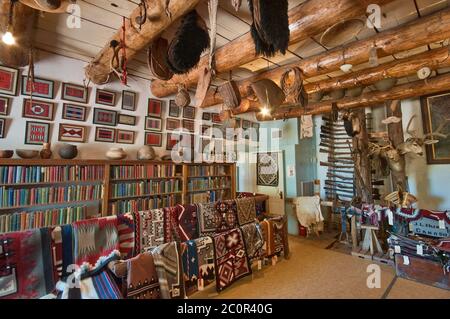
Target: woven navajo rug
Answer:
[[96, 242], [126, 231], [217, 217], [26, 267], [275, 238], [67, 249], [149, 229], [205, 256], [246, 210], [231, 258], [254, 240], [187, 222], [169, 269], [171, 222], [189, 257], [57, 248], [142, 279]]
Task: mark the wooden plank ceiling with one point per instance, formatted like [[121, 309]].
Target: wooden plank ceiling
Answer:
[[100, 19]]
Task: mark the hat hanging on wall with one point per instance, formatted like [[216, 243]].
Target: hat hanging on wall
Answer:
[[157, 59], [341, 33], [189, 42], [270, 28]]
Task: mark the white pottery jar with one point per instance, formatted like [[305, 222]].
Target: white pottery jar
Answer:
[[116, 153]]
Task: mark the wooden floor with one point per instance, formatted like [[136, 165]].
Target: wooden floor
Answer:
[[316, 272]]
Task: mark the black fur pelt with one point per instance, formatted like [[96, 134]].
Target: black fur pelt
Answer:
[[189, 42], [274, 25]]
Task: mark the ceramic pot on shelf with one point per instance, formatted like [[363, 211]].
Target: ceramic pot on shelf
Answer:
[[146, 152], [116, 153], [68, 151], [46, 152]]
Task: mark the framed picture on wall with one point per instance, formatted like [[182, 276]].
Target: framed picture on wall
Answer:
[[189, 125], [129, 100], [9, 80], [246, 124], [74, 112], [105, 117], [436, 120], [125, 137], [37, 133], [2, 128], [5, 103], [154, 108], [172, 124], [183, 140], [206, 116], [42, 88], [153, 124], [267, 169], [127, 119], [215, 117], [189, 112], [41, 110], [153, 139], [71, 133], [105, 97], [74, 93], [105, 134]]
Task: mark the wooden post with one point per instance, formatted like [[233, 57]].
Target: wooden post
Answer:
[[106, 190]]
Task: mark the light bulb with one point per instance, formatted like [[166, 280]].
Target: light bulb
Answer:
[[8, 38], [265, 111]]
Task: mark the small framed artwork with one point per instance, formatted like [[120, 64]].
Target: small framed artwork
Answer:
[[74, 93], [71, 133], [105, 134], [215, 117], [9, 80], [125, 137], [153, 139], [172, 140], [172, 124], [174, 110], [154, 108], [127, 119], [2, 128], [183, 140], [5, 103], [153, 124], [189, 125], [41, 110], [206, 116], [105, 117], [206, 130], [74, 112], [246, 124], [41, 87], [129, 100], [105, 97], [189, 112], [37, 133]]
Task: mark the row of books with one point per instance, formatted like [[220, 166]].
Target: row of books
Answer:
[[216, 182], [48, 174], [135, 205], [144, 171], [145, 188], [11, 197], [206, 170], [28, 220], [207, 197]]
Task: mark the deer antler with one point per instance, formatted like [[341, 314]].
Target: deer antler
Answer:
[[428, 138], [411, 132]]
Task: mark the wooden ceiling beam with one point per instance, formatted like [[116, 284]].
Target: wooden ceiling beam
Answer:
[[99, 69], [305, 20], [423, 31]]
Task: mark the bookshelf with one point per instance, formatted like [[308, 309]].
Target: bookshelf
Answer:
[[39, 193]]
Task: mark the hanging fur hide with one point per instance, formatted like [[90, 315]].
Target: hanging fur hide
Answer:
[[190, 40], [270, 28]]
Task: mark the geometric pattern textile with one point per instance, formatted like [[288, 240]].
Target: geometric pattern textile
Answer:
[[246, 210]]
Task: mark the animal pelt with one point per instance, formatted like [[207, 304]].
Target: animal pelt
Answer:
[[189, 42], [270, 28]]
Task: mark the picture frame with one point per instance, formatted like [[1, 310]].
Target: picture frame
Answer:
[[105, 117], [215, 118], [127, 119], [153, 124], [174, 110], [74, 112], [189, 112], [172, 124], [154, 108], [125, 136], [267, 169], [206, 116], [2, 128], [435, 110], [153, 139], [71, 133], [74, 93], [105, 134], [173, 139], [43, 88], [37, 133], [9, 80], [189, 125], [129, 100], [246, 124], [39, 109], [5, 103], [105, 97]]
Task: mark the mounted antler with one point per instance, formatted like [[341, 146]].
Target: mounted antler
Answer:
[[429, 137]]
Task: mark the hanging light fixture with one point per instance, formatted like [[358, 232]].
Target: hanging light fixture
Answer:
[[373, 57], [8, 37]]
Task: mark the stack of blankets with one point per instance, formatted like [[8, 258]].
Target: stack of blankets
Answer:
[[162, 253]]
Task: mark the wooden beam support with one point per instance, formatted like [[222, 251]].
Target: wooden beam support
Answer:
[[423, 31], [436, 84], [307, 19], [98, 70], [23, 26]]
